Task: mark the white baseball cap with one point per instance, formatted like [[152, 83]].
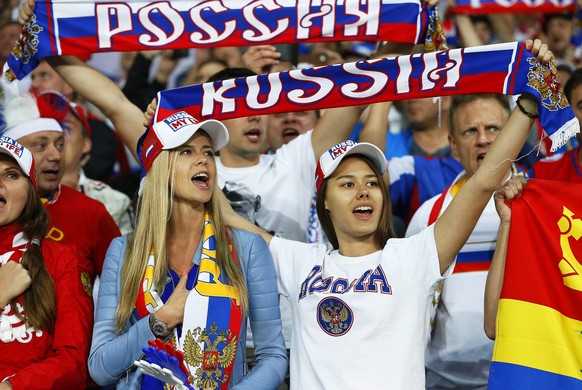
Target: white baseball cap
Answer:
[[329, 161], [174, 131], [22, 156]]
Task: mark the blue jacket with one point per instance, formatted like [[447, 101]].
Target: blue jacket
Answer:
[[112, 355]]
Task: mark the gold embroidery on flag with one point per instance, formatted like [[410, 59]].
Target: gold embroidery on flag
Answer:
[[570, 266], [545, 80], [27, 43], [214, 359]]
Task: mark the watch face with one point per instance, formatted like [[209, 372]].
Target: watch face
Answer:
[[159, 329]]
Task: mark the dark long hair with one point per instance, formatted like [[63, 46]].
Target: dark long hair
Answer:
[[39, 298], [385, 230]]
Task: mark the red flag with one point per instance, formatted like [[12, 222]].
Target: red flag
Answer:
[[539, 324]]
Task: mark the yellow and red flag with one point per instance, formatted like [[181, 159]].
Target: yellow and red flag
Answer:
[[539, 323]]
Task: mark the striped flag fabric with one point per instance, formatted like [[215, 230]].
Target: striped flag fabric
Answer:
[[539, 323], [503, 68], [81, 27]]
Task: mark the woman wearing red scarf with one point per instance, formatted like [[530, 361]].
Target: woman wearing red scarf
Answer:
[[45, 307]]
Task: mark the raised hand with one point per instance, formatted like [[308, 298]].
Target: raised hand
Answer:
[[260, 58], [149, 112], [540, 50], [512, 189], [25, 12]]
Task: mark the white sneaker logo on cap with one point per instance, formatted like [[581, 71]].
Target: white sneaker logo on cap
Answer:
[[180, 119]]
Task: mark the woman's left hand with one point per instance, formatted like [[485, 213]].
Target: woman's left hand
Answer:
[[540, 50], [512, 189], [25, 14]]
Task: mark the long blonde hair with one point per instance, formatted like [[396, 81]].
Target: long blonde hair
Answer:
[[153, 212]]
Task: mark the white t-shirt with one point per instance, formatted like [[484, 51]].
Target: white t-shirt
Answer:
[[459, 352], [276, 193], [359, 322]]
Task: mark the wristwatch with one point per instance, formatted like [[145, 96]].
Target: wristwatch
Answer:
[[158, 328]]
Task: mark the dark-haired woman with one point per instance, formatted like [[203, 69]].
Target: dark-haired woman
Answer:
[[46, 307], [361, 310]]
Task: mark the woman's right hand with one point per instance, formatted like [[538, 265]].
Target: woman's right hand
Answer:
[[511, 190], [149, 112], [14, 280], [172, 313]]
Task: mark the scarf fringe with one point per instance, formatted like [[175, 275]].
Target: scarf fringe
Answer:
[[564, 133]]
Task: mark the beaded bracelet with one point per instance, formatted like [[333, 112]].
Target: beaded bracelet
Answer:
[[525, 112]]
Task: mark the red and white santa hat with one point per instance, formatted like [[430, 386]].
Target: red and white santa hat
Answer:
[[175, 130], [21, 155], [330, 160]]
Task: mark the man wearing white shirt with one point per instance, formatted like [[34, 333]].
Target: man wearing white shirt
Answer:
[[459, 353]]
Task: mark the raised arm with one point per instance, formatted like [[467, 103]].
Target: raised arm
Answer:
[[376, 124], [231, 218], [97, 89], [466, 30], [105, 95], [335, 126], [457, 222], [511, 190]]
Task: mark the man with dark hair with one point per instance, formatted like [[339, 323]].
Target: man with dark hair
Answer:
[[558, 30]]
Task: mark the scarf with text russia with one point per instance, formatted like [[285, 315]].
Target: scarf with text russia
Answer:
[[504, 68], [77, 27], [538, 342], [480, 7]]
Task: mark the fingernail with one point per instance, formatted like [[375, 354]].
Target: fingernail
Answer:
[[184, 272]]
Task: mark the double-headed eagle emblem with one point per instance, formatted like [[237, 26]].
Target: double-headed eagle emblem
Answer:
[[26, 45], [545, 80], [211, 362], [334, 316]]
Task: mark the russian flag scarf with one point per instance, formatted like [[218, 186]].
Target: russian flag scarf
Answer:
[[213, 316], [507, 68], [65, 27]]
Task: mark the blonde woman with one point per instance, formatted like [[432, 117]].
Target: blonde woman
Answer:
[[183, 277]]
